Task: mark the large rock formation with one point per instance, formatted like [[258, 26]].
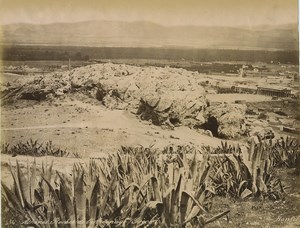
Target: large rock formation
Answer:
[[165, 96]]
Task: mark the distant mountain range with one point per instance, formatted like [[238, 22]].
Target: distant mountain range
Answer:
[[148, 34]]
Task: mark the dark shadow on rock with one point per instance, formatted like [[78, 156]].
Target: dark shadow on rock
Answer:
[[212, 125]]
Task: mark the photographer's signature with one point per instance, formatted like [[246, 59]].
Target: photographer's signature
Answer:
[[291, 219]]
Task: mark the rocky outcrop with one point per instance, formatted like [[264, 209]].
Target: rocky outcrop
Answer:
[[173, 108], [164, 96], [226, 120]]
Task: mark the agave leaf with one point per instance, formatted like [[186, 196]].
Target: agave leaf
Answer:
[[102, 176], [57, 201], [80, 200], [12, 198], [241, 186], [93, 203], [157, 194], [133, 203], [246, 193], [33, 181], [193, 166], [167, 206], [183, 206], [108, 192], [251, 149], [118, 194], [146, 179], [204, 174], [243, 169], [171, 173], [196, 201], [189, 184], [193, 214], [47, 172], [67, 200], [17, 186], [202, 197], [216, 217], [175, 200], [178, 187], [261, 184], [29, 183]]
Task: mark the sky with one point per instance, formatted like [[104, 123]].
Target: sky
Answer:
[[165, 12]]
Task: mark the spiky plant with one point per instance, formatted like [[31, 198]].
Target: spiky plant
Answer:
[[36, 149], [126, 189], [286, 152], [240, 178], [227, 148]]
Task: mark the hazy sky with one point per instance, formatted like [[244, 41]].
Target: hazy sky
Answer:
[[166, 12]]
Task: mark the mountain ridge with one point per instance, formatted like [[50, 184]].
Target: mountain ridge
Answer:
[[149, 34]]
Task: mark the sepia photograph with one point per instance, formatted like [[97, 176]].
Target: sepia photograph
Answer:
[[161, 113]]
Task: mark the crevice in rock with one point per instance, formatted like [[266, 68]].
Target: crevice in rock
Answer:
[[212, 125]]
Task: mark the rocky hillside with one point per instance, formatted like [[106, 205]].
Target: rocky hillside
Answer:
[[164, 96]]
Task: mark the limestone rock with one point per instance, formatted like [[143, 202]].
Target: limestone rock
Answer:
[[229, 120]]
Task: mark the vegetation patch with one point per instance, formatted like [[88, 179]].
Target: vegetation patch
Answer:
[[126, 189], [146, 187], [36, 149]]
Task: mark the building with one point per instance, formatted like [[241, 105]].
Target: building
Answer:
[[274, 91], [245, 89]]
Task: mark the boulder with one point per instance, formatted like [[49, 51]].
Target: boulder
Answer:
[[226, 120], [173, 108], [262, 132]]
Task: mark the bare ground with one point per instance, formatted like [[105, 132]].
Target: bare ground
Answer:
[[89, 129]]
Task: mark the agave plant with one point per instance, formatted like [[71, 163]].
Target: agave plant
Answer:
[[34, 148], [24, 198], [240, 178], [5, 148], [286, 152], [227, 148], [126, 189]]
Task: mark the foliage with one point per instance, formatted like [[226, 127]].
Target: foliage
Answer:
[[238, 178], [227, 148], [286, 152], [139, 186], [127, 189], [34, 148]]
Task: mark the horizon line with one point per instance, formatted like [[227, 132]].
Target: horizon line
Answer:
[[147, 21]]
